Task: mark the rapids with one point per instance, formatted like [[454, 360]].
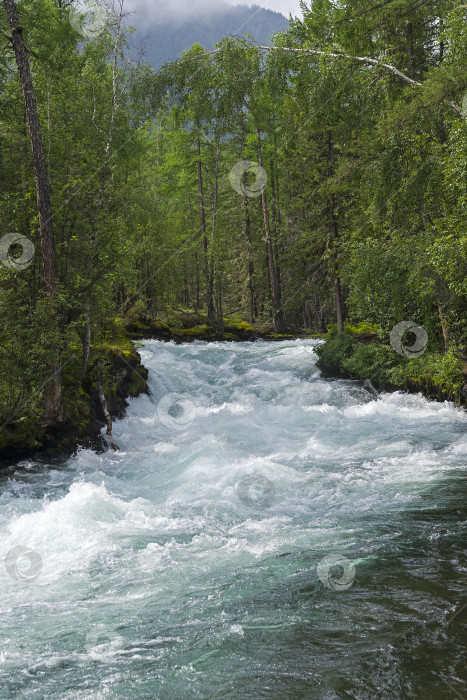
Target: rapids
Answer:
[[262, 533]]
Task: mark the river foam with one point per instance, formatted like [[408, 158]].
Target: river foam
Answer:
[[193, 557]]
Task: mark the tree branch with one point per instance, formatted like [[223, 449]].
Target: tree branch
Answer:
[[362, 59]]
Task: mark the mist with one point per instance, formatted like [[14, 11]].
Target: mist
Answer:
[[159, 11]]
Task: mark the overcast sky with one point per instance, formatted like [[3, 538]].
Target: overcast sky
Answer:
[[187, 8]]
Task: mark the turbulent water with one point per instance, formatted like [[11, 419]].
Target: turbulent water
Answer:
[[262, 533]]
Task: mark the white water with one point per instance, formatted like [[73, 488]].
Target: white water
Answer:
[[156, 580]]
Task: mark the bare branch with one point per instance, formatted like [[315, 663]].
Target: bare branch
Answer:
[[361, 59]]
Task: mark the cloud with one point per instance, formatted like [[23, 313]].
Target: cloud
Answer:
[[161, 11], [283, 6]]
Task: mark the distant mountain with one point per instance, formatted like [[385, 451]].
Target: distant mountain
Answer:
[[165, 41]]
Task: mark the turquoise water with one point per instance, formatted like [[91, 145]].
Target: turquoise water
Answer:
[[262, 533]]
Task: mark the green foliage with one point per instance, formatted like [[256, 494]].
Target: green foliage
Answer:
[[434, 374], [333, 353], [365, 192], [361, 327], [374, 362]]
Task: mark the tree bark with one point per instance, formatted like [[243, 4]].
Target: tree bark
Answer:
[[334, 235], [276, 215], [52, 403], [276, 229], [250, 261], [86, 340], [40, 167], [339, 305], [197, 282], [219, 320], [209, 289], [105, 410], [278, 316], [443, 328], [411, 51], [116, 96], [219, 311]]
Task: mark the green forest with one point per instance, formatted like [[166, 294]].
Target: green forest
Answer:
[[316, 185]]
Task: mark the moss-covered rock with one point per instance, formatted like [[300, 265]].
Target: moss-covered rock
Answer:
[[241, 330], [148, 329], [241, 326], [202, 332], [191, 319], [185, 326]]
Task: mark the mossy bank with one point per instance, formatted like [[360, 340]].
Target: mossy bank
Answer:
[[187, 326], [369, 356], [123, 376], [118, 364]]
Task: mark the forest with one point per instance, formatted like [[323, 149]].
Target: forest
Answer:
[[313, 185]]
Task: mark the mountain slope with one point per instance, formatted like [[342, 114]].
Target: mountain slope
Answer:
[[165, 41]]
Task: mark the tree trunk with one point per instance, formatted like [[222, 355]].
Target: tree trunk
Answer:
[[197, 282], [219, 311], [103, 178], [209, 289], [441, 43], [337, 282], [250, 261], [278, 316], [339, 305], [334, 236], [276, 216], [219, 321], [105, 410], [443, 328], [52, 406], [86, 340], [411, 51]]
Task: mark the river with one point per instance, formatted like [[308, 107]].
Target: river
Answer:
[[262, 533]]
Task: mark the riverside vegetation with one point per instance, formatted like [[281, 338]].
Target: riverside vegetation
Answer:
[[119, 176]]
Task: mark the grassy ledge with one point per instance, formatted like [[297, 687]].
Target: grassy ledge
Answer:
[[187, 326], [365, 356], [123, 376]]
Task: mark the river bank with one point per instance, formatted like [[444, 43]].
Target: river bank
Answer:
[[365, 356], [350, 355], [287, 537], [124, 376], [187, 327]]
